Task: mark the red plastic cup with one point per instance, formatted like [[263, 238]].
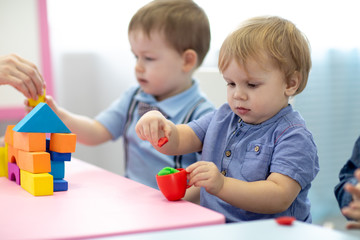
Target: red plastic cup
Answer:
[[173, 186]]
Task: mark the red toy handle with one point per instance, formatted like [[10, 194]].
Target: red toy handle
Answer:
[[182, 169]]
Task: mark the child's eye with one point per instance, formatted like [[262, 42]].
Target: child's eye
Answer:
[[149, 59], [230, 84], [252, 85]]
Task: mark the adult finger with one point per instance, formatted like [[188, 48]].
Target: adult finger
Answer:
[[35, 81]]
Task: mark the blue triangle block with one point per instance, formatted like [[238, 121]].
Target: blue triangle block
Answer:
[[42, 119]]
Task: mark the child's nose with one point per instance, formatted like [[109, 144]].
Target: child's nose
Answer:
[[240, 94], [139, 66]]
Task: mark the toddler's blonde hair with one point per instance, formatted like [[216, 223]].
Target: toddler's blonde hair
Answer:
[[277, 38]]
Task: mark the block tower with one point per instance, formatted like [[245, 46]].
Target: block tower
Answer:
[[36, 150]]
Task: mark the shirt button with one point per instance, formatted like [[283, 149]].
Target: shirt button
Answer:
[[223, 172], [257, 148], [228, 153]]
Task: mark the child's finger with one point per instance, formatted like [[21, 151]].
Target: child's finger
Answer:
[[353, 225], [138, 131], [355, 205], [154, 132], [350, 213], [26, 106], [357, 174], [195, 165], [167, 130], [191, 168]]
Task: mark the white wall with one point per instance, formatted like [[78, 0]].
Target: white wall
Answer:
[[19, 34], [93, 65]]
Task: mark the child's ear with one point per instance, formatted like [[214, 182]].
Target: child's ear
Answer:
[[293, 84], [189, 60]]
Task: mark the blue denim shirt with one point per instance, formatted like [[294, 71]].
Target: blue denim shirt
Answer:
[[250, 153], [346, 175]]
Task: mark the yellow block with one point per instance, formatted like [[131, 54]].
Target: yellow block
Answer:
[[33, 102], [38, 184], [3, 162]]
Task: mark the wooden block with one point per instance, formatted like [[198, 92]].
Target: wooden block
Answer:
[[58, 169], [14, 173], [63, 142], [38, 184], [31, 142], [3, 162], [12, 154], [60, 185], [9, 135], [34, 162], [41, 119], [34, 103], [55, 156]]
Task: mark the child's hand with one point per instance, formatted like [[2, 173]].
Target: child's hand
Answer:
[[207, 175], [51, 102], [353, 210], [48, 100], [151, 126]]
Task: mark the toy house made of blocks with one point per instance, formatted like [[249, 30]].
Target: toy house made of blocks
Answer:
[[36, 150]]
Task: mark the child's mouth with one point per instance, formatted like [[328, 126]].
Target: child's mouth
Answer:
[[242, 110]]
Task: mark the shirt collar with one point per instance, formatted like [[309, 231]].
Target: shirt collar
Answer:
[[275, 118], [172, 105]]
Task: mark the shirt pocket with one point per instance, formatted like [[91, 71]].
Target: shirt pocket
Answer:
[[256, 162]]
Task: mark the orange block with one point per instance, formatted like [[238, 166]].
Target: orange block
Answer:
[[9, 135], [31, 142], [34, 162], [63, 142], [12, 154]]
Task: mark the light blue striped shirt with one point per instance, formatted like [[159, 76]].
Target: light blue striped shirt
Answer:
[[144, 162]]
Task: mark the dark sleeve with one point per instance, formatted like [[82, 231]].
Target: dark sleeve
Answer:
[[346, 175]]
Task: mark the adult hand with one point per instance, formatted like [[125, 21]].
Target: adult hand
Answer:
[[22, 75]]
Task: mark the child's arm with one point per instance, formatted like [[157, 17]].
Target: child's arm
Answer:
[[193, 195], [353, 210], [273, 195], [88, 131], [182, 139]]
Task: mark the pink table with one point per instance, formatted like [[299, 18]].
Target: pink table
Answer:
[[98, 203]]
